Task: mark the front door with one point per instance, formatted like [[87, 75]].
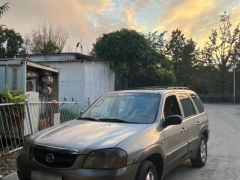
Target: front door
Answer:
[[175, 135]]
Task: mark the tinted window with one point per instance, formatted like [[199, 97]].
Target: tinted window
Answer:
[[171, 107], [187, 105], [198, 103]]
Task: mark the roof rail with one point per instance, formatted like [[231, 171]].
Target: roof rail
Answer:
[[162, 87], [178, 87], [152, 87]]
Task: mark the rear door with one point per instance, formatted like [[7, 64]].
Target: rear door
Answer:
[[175, 138], [189, 119], [198, 121]]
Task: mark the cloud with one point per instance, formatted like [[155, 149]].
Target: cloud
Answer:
[[183, 14], [129, 10], [85, 20], [128, 16], [72, 15]]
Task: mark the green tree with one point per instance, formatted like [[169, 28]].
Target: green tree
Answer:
[[131, 54], [45, 40], [182, 52], [223, 50], [4, 8], [154, 75], [10, 43], [158, 42]]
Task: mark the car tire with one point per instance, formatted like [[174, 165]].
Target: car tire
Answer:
[[201, 157], [147, 171]]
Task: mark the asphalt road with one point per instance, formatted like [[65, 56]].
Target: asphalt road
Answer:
[[223, 148]]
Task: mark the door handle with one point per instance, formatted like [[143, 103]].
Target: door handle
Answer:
[[198, 123], [183, 130]]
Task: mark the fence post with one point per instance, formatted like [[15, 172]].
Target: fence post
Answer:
[[29, 115], [88, 101]]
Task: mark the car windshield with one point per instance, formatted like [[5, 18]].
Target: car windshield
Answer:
[[139, 108]]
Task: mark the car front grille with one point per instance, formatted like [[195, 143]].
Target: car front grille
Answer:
[[60, 160]]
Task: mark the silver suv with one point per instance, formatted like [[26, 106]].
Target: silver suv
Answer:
[[130, 135]]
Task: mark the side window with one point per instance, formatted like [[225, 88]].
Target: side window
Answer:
[[198, 103], [187, 105], [171, 107]]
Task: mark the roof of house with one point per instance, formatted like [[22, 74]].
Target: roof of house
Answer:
[[62, 57], [56, 57], [28, 62]]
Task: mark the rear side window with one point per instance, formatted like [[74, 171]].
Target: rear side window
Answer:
[[198, 103], [187, 105]]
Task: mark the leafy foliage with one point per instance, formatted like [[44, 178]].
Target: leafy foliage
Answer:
[[6, 96], [132, 54], [10, 43], [45, 40], [182, 52], [157, 41], [213, 73], [154, 76], [223, 50], [4, 8]]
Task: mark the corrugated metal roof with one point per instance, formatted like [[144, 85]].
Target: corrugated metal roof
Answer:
[[57, 57], [62, 57], [19, 61]]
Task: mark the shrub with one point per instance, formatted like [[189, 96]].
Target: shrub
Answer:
[[7, 96]]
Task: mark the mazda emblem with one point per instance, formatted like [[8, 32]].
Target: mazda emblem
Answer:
[[50, 158]]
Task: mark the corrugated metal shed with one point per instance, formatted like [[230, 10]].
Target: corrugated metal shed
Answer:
[[62, 57], [81, 77], [13, 72]]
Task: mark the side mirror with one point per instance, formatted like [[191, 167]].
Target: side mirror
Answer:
[[173, 120]]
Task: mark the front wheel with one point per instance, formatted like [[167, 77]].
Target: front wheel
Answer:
[[147, 171], [201, 157]]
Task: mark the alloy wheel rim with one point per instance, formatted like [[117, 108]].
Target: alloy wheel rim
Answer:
[[150, 176], [203, 151]]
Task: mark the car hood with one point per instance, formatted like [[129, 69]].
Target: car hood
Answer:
[[86, 136]]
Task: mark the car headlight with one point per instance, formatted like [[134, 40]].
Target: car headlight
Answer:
[[106, 159]]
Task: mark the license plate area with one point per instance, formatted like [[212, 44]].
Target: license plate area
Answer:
[[37, 175]]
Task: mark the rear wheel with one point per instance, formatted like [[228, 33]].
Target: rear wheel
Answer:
[[147, 171], [201, 157]]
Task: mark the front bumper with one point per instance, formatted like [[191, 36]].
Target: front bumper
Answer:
[[26, 165]]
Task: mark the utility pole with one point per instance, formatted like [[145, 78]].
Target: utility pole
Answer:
[[234, 83]]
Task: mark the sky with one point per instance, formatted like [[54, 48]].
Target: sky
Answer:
[[86, 20]]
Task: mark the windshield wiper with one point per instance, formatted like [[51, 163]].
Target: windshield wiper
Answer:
[[89, 118], [114, 120]]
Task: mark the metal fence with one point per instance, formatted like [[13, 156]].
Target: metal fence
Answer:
[[20, 120]]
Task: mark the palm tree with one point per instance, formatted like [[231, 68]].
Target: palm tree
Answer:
[[4, 8]]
